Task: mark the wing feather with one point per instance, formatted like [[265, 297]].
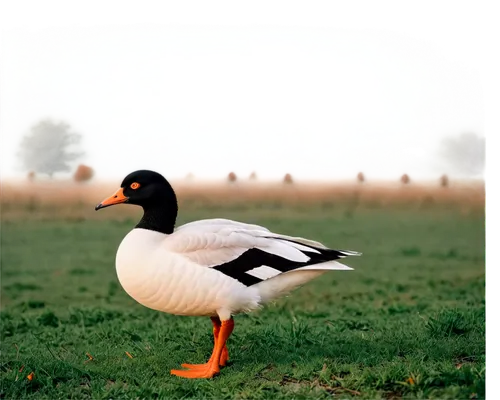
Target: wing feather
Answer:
[[246, 252]]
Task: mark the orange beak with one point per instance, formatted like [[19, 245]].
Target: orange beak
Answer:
[[116, 198]]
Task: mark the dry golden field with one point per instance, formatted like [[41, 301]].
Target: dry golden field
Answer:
[[67, 199]]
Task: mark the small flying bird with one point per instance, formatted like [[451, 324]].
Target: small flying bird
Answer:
[[212, 267]]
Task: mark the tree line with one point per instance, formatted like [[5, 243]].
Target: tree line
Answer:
[[51, 146]]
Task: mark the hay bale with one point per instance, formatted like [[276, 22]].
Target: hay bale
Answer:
[[31, 176], [231, 177], [360, 177], [83, 173], [253, 176], [288, 179], [405, 179], [444, 181]]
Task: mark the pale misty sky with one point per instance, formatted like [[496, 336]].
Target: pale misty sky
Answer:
[[322, 92]]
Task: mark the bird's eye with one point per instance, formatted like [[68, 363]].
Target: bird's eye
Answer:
[[135, 185]]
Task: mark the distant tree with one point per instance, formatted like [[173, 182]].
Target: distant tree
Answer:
[[464, 154], [49, 147]]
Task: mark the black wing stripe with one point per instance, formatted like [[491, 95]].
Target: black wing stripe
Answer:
[[254, 258]]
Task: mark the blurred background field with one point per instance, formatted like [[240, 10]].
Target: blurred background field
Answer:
[[69, 199]]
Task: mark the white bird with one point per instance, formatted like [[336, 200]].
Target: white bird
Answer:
[[212, 267]]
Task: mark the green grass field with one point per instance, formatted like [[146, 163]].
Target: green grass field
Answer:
[[408, 322]]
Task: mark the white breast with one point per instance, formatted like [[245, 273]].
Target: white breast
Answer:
[[169, 282]]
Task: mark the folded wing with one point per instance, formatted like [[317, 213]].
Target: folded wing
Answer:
[[250, 253]]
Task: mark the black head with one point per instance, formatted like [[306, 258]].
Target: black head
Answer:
[[153, 193], [146, 188]]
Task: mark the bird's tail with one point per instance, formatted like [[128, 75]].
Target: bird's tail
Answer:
[[284, 283]]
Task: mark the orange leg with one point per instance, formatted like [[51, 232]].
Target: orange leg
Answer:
[[211, 367], [224, 358]]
